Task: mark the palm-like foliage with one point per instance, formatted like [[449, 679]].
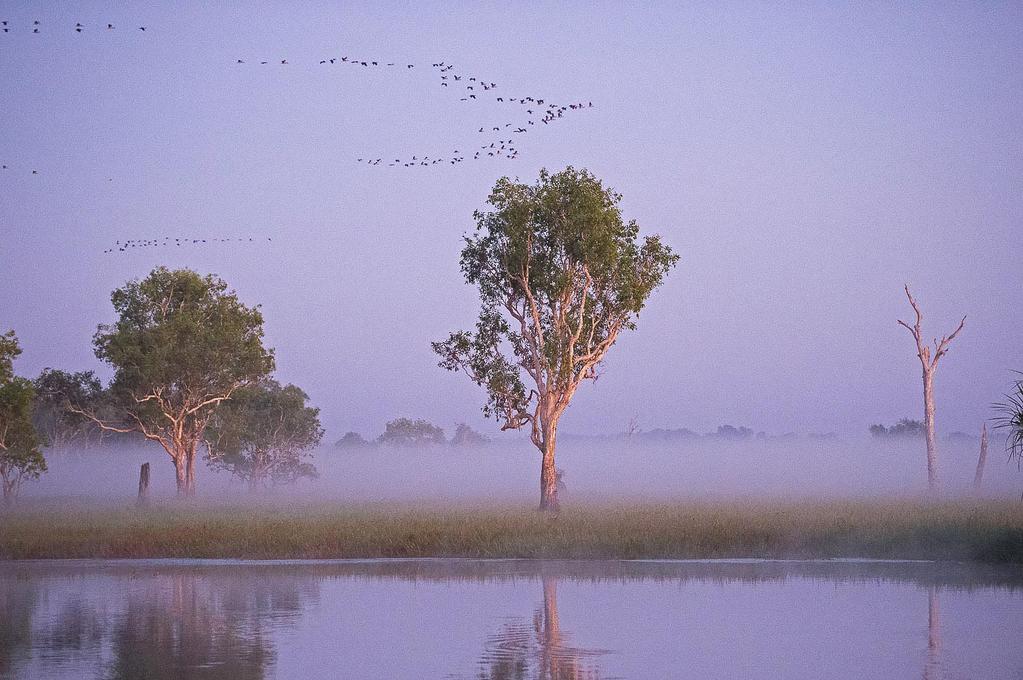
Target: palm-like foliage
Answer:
[[1010, 418]]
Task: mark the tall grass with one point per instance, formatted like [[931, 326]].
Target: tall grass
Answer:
[[983, 531]]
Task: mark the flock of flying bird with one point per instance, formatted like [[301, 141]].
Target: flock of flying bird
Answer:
[[471, 88], [120, 247], [7, 26], [37, 27]]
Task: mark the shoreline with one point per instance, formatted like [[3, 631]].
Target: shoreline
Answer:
[[962, 530]]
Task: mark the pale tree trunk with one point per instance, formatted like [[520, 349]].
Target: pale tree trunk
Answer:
[[933, 480], [981, 460], [191, 469], [181, 475], [548, 473]]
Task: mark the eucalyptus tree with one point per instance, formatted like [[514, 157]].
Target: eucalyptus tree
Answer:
[[20, 456], [264, 434], [55, 391], [560, 275], [182, 345]]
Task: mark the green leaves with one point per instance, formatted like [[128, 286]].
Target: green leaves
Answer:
[[559, 274], [9, 351], [180, 339], [20, 457], [262, 433]]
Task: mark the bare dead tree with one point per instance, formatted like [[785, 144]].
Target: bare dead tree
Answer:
[[929, 363], [632, 427], [981, 460]]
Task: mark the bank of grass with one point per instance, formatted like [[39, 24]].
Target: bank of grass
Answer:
[[975, 531]]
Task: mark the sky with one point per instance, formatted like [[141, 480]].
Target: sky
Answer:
[[805, 161]]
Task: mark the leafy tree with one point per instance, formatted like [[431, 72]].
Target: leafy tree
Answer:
[[352, 440], [56, 423], [466, 436], [20, 457], [182, 345], [263, 433], [560, 275], [408, 432]]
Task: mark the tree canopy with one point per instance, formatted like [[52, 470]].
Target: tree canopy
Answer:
[[408, 432], [264, 433], [560, 275], [466, 436], [182, 344], [55, 391], [20, 457]]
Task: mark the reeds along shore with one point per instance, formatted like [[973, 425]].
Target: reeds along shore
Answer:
[[956, 530]]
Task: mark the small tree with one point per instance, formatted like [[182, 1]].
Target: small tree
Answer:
[[264, 433], [182, 345], [59, 426], [466, 436], [560, 275], [929, 364], [352, 440], [20, 457], [408, 432]]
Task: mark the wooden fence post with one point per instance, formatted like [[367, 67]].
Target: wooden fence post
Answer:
[[143, 484]]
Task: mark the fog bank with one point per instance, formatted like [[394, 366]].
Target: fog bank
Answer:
[[594, 469]]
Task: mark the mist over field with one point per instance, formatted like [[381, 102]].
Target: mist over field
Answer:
[[595, 469]]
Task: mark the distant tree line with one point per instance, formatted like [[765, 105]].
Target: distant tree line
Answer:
[[905, 428], [406, 432]]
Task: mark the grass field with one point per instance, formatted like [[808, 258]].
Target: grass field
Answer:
[[977, 531]]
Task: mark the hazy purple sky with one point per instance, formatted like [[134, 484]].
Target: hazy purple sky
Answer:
[[805, 162]]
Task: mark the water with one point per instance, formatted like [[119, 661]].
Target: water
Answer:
[[509, 619]]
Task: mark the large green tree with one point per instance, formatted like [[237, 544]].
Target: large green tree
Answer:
[[560, 275], [20, 457], [264, 434], [182, 344]]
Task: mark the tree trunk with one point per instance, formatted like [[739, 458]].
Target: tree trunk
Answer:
[[933, 482], [8, 486], [548, 473], [143, 498], [981, 460], [181, 475], [191, 470]]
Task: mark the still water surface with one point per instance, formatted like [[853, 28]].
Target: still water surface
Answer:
[[509, 619]]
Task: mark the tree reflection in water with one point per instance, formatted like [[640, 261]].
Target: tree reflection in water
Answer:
[[176, 625], [17, 602], [539, 652], [932, 667]]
